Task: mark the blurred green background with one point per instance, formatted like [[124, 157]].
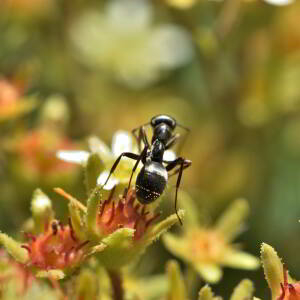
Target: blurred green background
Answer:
[[229, 70]]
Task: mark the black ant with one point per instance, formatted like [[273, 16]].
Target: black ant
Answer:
[[152, 178]]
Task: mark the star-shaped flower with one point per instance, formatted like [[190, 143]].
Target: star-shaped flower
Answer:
[[35, 158], [98, 161], [206, 249], [125, 41], [121, 142], [12, 102]]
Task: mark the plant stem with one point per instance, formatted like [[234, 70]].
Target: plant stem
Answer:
[[117, 284]]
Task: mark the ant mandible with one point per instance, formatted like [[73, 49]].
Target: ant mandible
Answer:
[[153, 177]]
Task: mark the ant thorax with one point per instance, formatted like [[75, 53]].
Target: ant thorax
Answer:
[[157, 151]]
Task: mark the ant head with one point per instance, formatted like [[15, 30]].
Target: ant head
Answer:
[[162, 132], [163, 119]]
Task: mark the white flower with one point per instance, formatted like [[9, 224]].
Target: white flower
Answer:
[[280, 2], [124, 41], [121, 142], [72, 156]]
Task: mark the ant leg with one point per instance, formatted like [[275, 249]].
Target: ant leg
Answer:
[[186, 164], [141, 135], [125, 154], [141, 157], [137, 137], [183, 164]]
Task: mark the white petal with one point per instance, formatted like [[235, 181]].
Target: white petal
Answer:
[[164, 40], [78, 157], [99, 147], [40, 202], [169, 155], [121, 142], [240, 260], [129, 15], [111, 182], [279, 2], [209, 272]]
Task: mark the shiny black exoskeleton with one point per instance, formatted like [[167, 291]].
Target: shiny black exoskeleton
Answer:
[[153, 177]]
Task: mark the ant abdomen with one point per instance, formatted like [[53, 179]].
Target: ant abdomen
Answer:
[[151, 182]]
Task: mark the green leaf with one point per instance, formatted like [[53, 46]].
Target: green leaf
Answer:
[[176, 245], [273, 268], [14, 248], [176, 284], [243, 291], [86, 285], [92, 211], [211, 273], [92, 170], [53, 274], [206, 293], [119, 250], [230, 223], [240, 260], [41, 208], [155, 231], [77, 222]]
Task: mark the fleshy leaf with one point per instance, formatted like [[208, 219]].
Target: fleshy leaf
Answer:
[[206, 293], [93, 168], [149, 287], [86, 286], [77, 222], [92, 211], [240, 259], [209, 272], [14, 248], [272, 268], [155, 231], [174, 244], [41, 208], [176, 284], [188, 204], [53, 274], [243, 291], [96, 249], [121, 237], [230, 223], [119, 251]]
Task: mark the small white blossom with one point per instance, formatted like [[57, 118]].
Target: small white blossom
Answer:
[[73, 156], [111, 182], [121, 142], [124, 41], [280, 2]]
